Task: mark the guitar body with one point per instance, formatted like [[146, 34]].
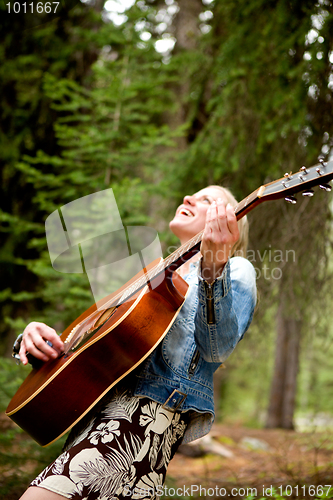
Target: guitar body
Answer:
[[54, 397]]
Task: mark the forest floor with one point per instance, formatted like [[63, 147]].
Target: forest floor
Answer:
[[295, 464]]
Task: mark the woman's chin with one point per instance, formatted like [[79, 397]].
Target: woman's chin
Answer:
[[181, 229]]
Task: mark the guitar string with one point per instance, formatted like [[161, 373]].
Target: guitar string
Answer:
[[172, 258], [157, 269], [183, 249]]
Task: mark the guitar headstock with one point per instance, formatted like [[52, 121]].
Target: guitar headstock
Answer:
[[302, 181]]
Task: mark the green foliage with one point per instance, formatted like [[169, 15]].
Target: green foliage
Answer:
[[96, 129], [29, 50], [11, 377], [18, 452], [253, 91], [21, 459], [244, 382]]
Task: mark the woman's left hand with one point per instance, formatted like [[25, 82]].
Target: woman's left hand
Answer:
[[220, 234]]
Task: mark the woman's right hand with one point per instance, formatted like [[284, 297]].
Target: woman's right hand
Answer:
[[34, 341]]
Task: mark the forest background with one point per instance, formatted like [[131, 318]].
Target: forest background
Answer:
[[160, 98]]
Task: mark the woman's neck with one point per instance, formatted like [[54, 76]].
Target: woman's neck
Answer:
[[185, 268]]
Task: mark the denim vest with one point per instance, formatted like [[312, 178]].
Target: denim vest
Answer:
[[212, 320]]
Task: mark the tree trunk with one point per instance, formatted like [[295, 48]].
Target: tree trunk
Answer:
[[284, 383], [187, 33]]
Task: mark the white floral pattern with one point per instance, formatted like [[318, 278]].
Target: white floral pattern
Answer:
[[81, 436], [123, 405], [147, 486], [155, 417], [124, 452], [105, 432], [59, 464]]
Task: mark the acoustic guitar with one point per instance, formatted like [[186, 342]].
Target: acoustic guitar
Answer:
[[111, 338]]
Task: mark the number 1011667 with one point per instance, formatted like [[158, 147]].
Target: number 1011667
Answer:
[[38, 8]]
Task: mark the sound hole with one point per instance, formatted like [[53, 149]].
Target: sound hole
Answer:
[[104, 316], [82, 335]]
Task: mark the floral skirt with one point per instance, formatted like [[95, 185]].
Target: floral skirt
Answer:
[[122, 451]]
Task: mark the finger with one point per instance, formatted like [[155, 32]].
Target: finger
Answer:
[[31, 347], [232, 221], [22, 353], [209, 218], [46, 348], [51, 335], [222, 215], [218, 218]]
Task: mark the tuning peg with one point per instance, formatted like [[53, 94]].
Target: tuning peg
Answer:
[[291, 199], [326, 187], [308, 193]]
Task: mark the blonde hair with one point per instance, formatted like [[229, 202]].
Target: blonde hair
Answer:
[[240, 247]]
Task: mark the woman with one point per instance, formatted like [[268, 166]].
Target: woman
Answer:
[[123, 447]]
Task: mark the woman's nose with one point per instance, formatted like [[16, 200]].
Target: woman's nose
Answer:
[[189, 199]]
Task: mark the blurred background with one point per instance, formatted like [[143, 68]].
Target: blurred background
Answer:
[[157, 99]]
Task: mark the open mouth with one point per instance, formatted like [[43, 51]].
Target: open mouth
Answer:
[[186, 212]]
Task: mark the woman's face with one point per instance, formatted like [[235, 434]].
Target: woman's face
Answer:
[[190, 216]]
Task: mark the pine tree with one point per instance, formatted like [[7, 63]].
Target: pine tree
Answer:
[[96, 129]]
